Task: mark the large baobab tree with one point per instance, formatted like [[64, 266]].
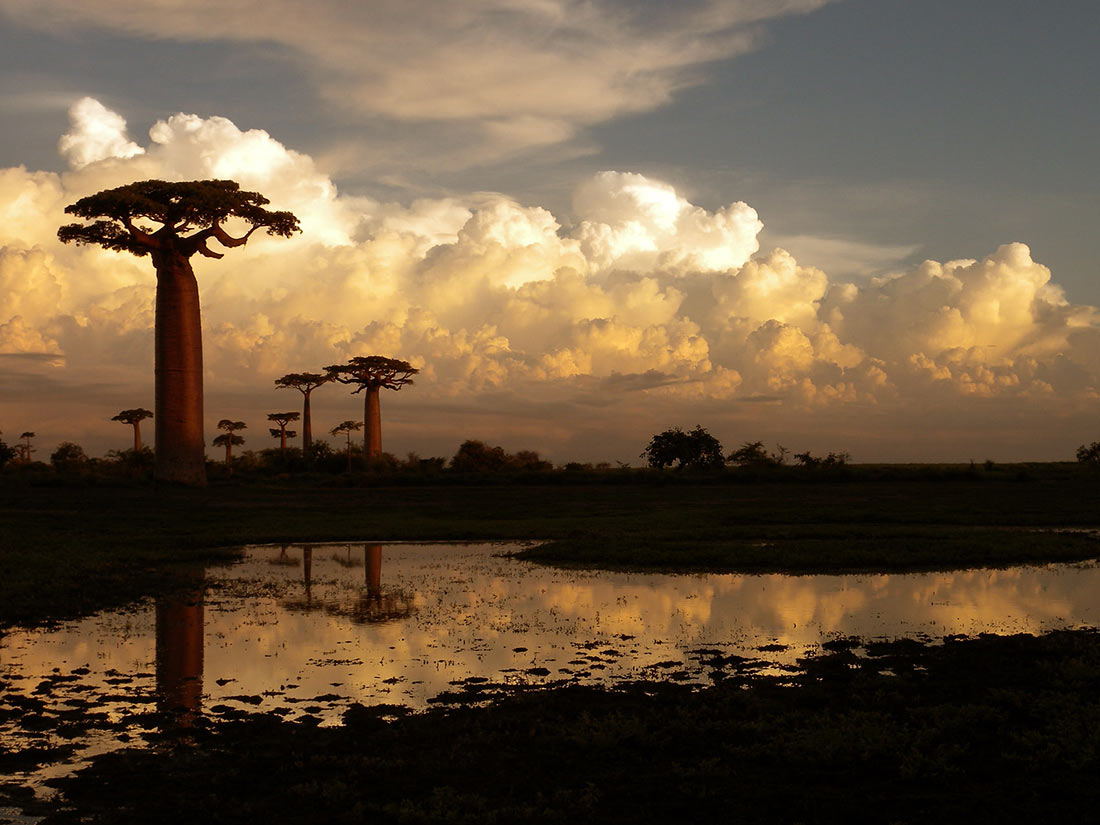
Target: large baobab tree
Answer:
[[134, 419], [305, 383], [346, 428], [281, 432], [171, 222], [229, 438], [372, 373]]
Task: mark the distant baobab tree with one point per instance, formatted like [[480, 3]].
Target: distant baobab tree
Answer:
[[26, 447], [184, 217], [347, 428], [134, 419], [371, 373], [305, 383], [281, 432], [229, 438]]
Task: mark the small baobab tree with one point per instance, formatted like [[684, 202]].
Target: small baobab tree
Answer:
[[171, 222], [346, 428], [372, 373], [134, 419], [229, 439], [305, 383], [25, 448], [281, 432]]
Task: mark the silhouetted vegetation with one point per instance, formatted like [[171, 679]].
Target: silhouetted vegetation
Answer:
[[7, 453], [68, 457], [478, 457], [697, 449], [120, 221], [832, 460], [1089, 453], [753, 454]]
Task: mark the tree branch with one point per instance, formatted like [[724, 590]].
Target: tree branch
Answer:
[[202, 249], [139, 236]]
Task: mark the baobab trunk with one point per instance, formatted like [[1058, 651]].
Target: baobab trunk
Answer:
[[180, 447], [307, 430], [137, 437], [372, 416]]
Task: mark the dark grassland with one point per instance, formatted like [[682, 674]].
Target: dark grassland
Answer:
[[1002, 729], [72, 547]]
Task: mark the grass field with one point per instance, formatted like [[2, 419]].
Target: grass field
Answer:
[[69, 548]]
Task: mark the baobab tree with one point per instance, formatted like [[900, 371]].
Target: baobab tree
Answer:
[[305, 383], [229, 438], [134, 419], [372, 373], [281, 432], [26, 447], [170, 222], [347, 428]]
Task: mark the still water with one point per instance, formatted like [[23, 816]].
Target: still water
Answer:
[[303, 630]]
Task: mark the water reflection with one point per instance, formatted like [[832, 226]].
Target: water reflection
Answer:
[[301, 631], [179, 654], [370, 605]]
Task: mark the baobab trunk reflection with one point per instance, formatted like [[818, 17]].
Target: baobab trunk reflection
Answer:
[[373, 556], [180, 655]]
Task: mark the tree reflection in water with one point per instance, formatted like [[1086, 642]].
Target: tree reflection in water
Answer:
[[373, 605], [179, 654]]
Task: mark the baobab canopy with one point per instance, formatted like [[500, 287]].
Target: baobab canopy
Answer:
[[198, 206]]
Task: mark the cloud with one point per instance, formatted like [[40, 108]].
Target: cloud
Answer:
[[97, 134], [527, 73], [639, 311]]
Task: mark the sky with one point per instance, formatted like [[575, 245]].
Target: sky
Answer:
[[839, 225]]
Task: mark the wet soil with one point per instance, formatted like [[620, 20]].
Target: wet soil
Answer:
[[987, 729]]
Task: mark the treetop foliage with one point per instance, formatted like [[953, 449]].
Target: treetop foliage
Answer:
[[302, 381], [373, 371], [696, 448], [231, 426], [133, 416], [228, 439], [120, 216], [347, 427], [283, 418]]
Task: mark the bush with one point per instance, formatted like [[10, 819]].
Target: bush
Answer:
[[753, 454], [1089, 454], [68, 457], [831, 460], [478, 457]]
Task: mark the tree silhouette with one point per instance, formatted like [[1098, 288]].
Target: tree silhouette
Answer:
[[347, 428], [281, 432], [7, 453], [25, 448], [134, 418], [371, 373], [185, 216], [305, 383], [697, 448], [229, 438]]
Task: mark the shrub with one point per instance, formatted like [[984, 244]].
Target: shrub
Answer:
[[697, 448]]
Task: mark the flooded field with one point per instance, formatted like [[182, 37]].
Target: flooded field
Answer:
[[302, 631]]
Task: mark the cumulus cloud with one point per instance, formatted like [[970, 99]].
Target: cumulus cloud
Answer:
[[646, 304]]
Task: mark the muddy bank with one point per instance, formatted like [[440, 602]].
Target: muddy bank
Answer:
[[987, 729]]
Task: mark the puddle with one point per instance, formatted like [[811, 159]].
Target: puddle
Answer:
[[301, 631]]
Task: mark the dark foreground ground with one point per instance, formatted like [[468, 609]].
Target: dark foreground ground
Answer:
[[998, 729], [1002, 729]]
